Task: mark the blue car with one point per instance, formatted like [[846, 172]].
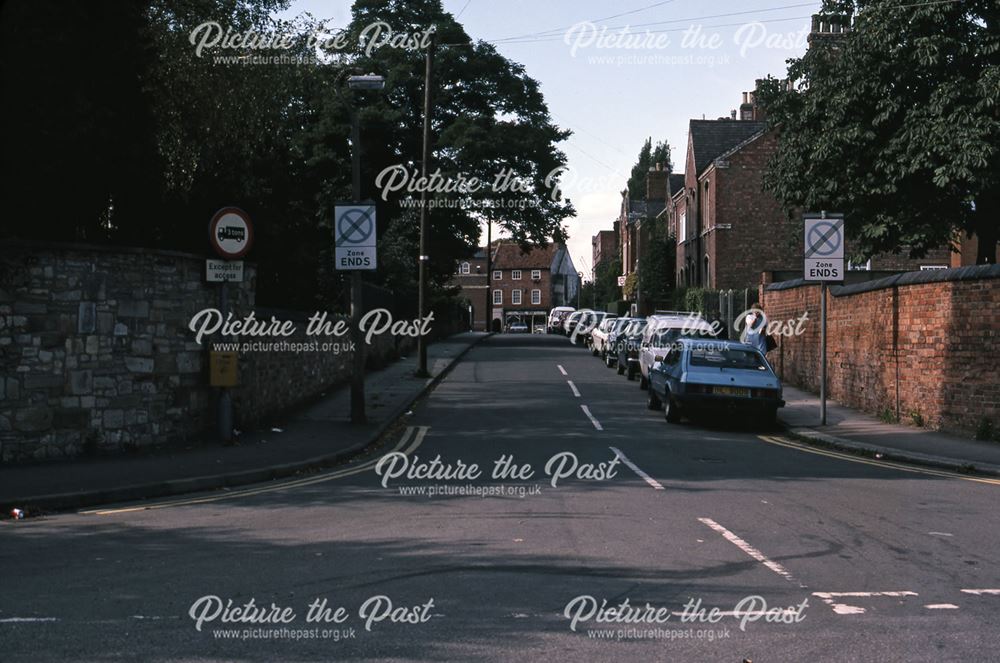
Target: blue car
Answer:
[[709, 377]]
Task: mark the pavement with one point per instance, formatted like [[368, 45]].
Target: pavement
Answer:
[[314, 437], [854, 431], [805, 554]]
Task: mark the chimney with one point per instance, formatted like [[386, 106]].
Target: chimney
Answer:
[[656, 183], [828, 29], [732, 114], [746, 108]]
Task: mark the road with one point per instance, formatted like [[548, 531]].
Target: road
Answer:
[[855, 560]]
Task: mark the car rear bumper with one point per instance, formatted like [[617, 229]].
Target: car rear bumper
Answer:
[[725, 402]]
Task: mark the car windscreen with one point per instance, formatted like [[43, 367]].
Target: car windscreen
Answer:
[[723, 357]]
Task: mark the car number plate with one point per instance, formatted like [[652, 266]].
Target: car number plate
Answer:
[[733, 391]]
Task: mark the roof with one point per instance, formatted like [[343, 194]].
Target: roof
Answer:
[[676, 183], [713, 138], [511, 256]]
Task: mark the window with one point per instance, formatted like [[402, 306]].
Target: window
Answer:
[[926, 267], [536, 274], [682, 227], [497, 275], [497, 297], [465, 268], [515, 274], [536, 297], [515, 297]]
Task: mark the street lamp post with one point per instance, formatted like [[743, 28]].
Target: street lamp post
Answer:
[[579, 288], [355, 83], [424, 258]]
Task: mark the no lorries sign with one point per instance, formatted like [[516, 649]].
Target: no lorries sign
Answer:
[[354, 232], [230, 233], [824, 247]]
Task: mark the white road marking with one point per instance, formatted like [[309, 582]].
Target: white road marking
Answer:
[[845, 609], [421, 432], [593, 420], [27, 620], [561, 369], [940, 534], [749, 550], [632, 466], [941, 606], [981, 592], [576, 392]]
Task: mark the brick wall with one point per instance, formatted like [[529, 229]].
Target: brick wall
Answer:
[[929, 339], [96, 354]]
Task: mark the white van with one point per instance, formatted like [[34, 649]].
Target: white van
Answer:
[[557, 317]]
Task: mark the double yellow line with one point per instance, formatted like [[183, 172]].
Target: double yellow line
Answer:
[[417, 433], [784, 442]]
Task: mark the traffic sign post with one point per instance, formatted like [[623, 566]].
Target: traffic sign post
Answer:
[[824, 262], [230, 234], [355, 237]]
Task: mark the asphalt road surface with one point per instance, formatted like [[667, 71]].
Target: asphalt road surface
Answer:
[[803, 555]]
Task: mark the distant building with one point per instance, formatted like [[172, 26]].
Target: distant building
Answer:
[[523, 287], [605, 246]]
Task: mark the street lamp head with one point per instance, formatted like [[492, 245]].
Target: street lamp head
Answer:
[[367, 82]]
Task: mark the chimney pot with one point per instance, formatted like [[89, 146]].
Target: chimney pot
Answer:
[[815, 23], [732, 114]]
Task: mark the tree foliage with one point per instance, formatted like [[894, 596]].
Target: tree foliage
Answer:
[[648, 157], [130, 137], [896, 123]]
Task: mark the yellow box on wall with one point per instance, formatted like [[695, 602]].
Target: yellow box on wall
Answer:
[[223, 369]]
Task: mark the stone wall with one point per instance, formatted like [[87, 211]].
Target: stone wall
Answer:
[[96, 355], [919, 345]]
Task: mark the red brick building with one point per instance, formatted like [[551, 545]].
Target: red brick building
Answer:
[[605, 246], [728, 229], [523, 287]]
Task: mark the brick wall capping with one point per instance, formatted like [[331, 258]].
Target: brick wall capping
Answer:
[[969, 273], [44, 245]]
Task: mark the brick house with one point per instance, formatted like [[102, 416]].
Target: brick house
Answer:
[[470, 277], [605, 245], [728, 229], [526, 286], [523, 286]]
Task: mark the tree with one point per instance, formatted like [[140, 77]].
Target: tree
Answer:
[[896, 123], [648, 158], [656, 267]]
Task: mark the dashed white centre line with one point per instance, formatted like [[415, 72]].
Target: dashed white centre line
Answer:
[[27, 620], [749, 550], [844, 609], [941, 606], [635, 468], [981, 592], [576, 392], [561, 369], [593, 420]]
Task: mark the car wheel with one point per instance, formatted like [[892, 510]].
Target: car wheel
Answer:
[[652, 400], [631, 372], [621, 368], [593, 351], [643, 383], [610, 361], [670, 411]]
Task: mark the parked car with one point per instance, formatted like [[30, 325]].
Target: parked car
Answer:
[[539, 329], [662, 329], [602, 340], [557, 317], [586, 325], [517, 328], [717, 378], [599, 336], [571, 320], [627, 348]]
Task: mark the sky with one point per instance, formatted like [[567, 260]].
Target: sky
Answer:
[[615, 73]]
